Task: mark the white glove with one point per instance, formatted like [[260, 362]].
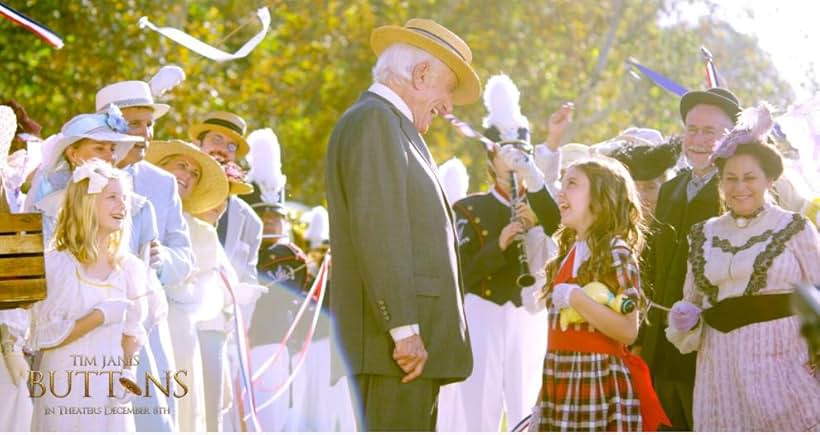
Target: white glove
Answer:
[[549, 162], [113, 310], [530, 300], [684, 315], [523, 166], [17, 365], [561, 294]]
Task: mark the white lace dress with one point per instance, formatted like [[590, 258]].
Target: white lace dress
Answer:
[[65, 401], [753, 378]]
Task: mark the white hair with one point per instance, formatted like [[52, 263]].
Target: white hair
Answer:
[[395, 64]]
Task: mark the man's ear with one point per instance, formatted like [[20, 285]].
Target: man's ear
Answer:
[[421, 75]]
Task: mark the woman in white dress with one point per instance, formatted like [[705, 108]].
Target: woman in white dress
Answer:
[[202, 186], [15, 414], [753, 370], [89, 327]]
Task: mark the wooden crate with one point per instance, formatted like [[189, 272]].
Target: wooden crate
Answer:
[[22, 265]]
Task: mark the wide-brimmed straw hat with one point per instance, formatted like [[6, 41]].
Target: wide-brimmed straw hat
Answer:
[[441, 43], [226, 123], [212, 188], [131, 93]]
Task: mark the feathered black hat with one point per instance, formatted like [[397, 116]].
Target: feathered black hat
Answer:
[[647, 162], [504, 122]]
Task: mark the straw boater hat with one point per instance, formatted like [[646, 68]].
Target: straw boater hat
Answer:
[[212, 187], [132, 93], [440, 42], [226, 123]]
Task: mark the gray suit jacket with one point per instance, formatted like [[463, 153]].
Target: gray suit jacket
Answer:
[[160, 187], [395, 251], [243, 239]]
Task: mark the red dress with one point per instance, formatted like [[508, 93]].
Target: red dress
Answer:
[[591, 382]]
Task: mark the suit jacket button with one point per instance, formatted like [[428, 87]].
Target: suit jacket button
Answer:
[[484, 232], [488, 292], [477, 220], [489, 278]]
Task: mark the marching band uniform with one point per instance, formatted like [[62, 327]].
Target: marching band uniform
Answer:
[[508, 341]]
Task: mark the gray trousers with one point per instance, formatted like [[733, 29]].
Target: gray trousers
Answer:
[[214, 362], [388, 405]]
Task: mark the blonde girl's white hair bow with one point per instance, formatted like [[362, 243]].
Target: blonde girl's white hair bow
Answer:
[[89, 170]]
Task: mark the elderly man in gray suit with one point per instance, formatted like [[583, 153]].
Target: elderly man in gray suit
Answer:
[[396, 291]]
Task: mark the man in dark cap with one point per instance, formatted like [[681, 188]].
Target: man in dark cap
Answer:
[[685, 200]]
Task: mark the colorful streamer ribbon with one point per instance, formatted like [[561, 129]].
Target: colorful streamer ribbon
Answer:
[[659, 79], [319, 288], [244, 366], [206, 50], [32, 26]]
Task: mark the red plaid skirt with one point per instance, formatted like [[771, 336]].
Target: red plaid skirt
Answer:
[[586, 391]]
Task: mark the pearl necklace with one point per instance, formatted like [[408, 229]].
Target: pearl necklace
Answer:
[[743, 221]]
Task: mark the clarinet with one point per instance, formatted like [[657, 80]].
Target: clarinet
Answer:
[[525, 278]]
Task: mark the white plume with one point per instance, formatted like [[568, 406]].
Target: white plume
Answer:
[[167, 78], [265, 161], [454, 179], [758, 120], [318, 230], [501, 98]]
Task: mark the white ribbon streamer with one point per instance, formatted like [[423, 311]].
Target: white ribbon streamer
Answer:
[[206, 50]]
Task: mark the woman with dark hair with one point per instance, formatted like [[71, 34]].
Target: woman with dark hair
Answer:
[[752, 365]]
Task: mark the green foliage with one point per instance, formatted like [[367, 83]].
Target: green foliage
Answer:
[[316, 61]]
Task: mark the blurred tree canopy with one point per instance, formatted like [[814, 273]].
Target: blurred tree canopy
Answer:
[[316, 60]]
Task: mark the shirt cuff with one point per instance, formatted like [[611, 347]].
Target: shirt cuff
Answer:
[[402, 332]]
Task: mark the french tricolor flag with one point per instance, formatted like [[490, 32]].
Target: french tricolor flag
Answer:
[[33, 26]]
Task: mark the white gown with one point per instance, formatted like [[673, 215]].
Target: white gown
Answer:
[[62, 405], [15, 414]]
